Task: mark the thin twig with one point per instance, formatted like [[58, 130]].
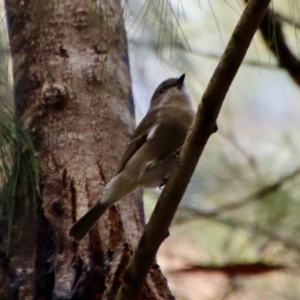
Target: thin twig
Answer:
[[204, 125], [272, 234], [249, 199], [249, 158], [288, 20], [248, 62]]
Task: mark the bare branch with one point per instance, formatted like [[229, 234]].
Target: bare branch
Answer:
[[249, 199], [248, 62], [234, 269], [290, 21], [204, 125], [184, 51], [249, 158], [271, 30], [272, 234]]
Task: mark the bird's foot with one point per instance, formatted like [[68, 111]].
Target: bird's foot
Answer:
[[177, 156], [163, 183]]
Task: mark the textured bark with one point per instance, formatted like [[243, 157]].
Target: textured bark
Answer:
[[72, 90]]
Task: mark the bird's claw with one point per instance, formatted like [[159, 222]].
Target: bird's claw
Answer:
[[163, 183], [177, 156]]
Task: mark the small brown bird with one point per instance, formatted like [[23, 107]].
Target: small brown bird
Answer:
[[152, 153]]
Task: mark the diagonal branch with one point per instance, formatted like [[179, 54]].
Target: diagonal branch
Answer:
[[272, 33], [204, 125]]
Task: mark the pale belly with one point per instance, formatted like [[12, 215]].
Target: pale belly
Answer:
[[153, 177]]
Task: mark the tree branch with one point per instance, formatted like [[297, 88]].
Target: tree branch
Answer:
[[271, 30], [249, 226], [261, 193], [204, 125], [234, 269], [290, 21], [185, 51]]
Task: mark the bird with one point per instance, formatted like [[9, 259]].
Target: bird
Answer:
[[152, 153]]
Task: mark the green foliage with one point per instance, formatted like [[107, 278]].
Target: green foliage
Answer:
[[18, 164], [18, 167]]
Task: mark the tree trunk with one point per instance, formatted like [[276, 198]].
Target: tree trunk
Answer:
[[73, 92]]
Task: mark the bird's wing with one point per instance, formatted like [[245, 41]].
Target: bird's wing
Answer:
[[168, 137], [139, 138]]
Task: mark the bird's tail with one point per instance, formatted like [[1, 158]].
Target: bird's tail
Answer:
[[116, 189], [87, 221]]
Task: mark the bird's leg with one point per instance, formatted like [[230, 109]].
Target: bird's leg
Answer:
[[179, 162], [176, 154], [163, 183]]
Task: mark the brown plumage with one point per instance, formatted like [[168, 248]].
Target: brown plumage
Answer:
[[150, 156]]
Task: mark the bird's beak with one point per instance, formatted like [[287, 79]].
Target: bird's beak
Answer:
[[180, 81]]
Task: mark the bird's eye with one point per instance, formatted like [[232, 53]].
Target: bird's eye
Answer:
[[161, 91]]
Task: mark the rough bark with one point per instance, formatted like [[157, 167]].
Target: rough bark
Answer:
[[73, 92]]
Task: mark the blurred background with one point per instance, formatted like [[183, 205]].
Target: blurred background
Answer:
[[237, 232]]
